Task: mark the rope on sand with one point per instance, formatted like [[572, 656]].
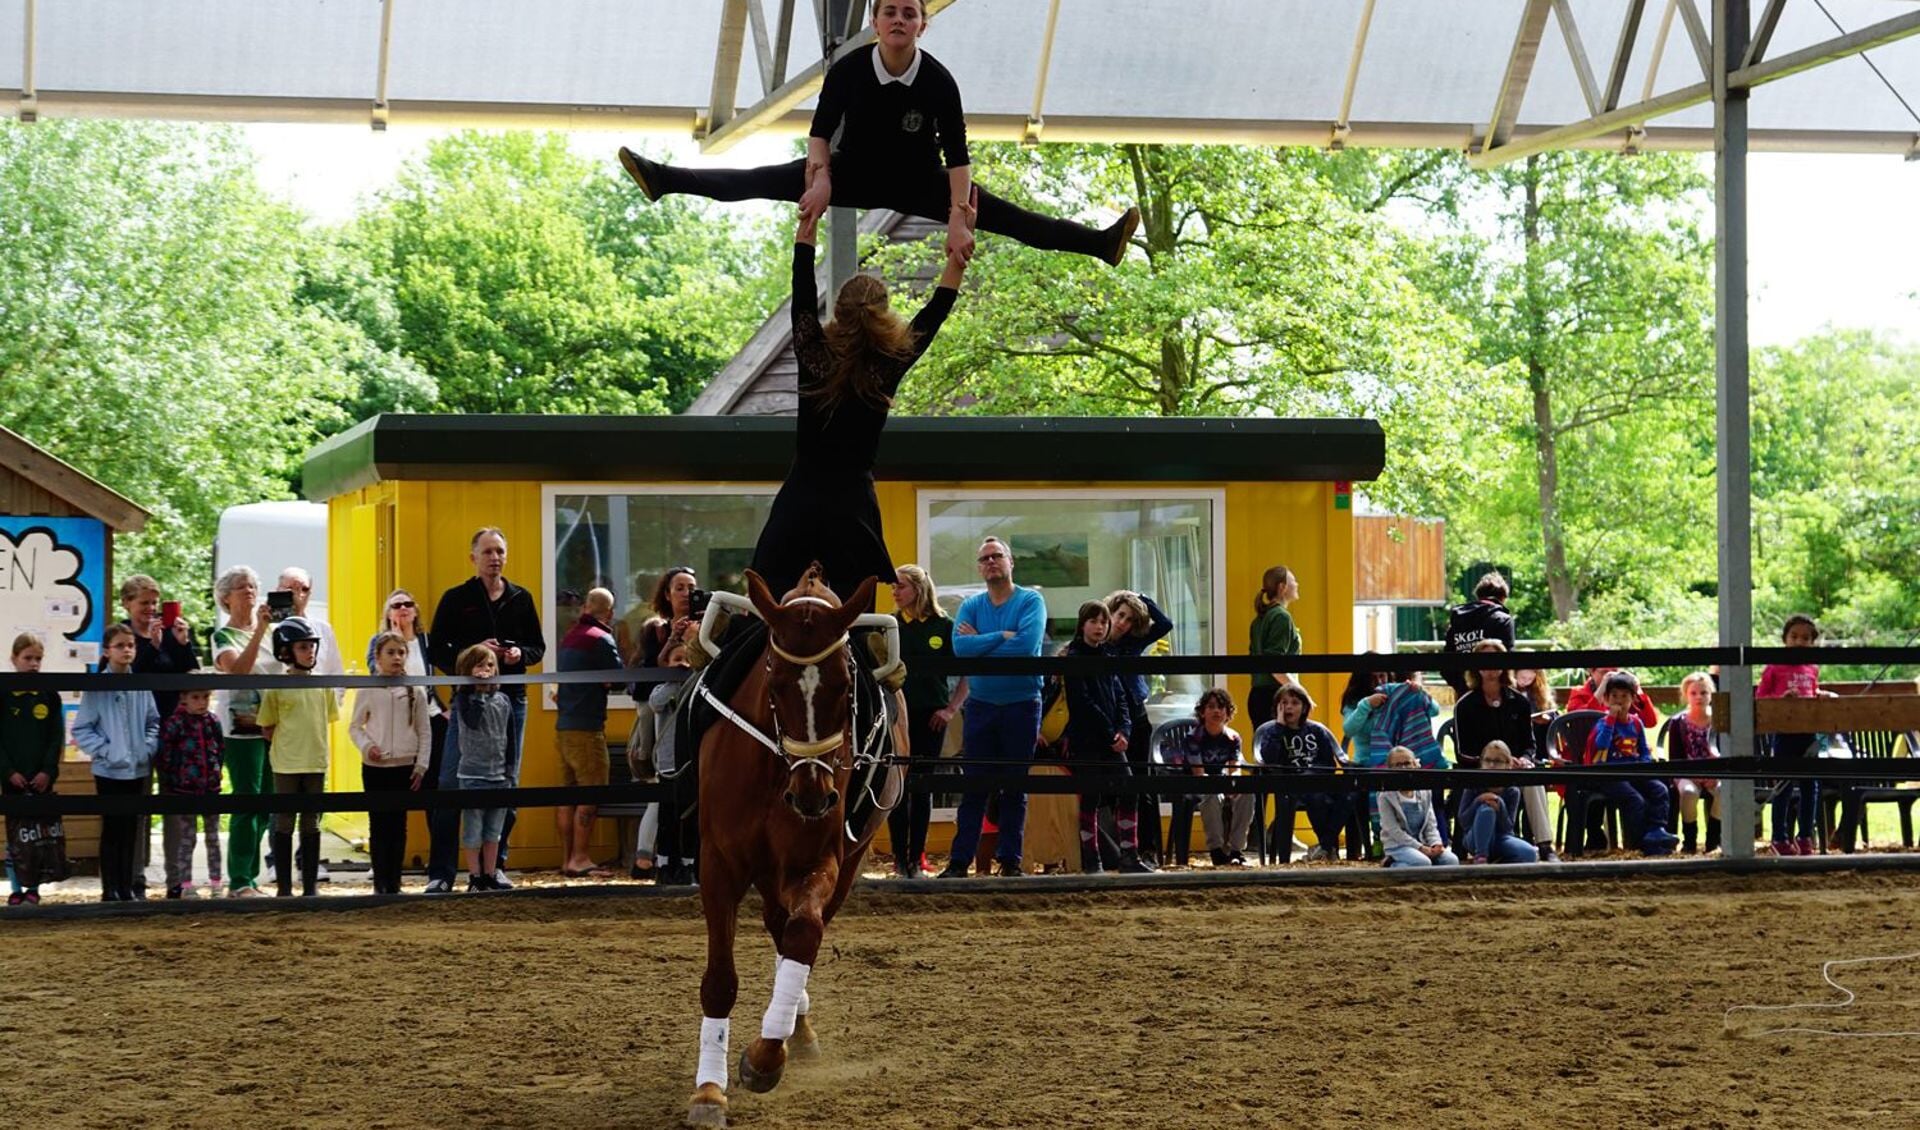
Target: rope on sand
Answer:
[[1826, 974]]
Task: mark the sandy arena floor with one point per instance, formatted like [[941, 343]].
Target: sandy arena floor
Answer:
[[1592, 1004]]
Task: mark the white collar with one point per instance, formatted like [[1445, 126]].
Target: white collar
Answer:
[[905, 78]]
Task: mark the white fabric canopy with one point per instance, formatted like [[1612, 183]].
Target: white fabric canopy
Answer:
[[1429, 72]]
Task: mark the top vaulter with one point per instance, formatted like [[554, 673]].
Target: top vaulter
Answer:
[[902, 115]]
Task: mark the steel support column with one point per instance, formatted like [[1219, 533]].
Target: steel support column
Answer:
[[1733, 440]]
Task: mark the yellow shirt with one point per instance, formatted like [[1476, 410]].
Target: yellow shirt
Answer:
[[299, 720]]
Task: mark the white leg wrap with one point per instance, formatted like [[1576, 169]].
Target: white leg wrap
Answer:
[[713, 1051], [806, 1001], [789, 989]]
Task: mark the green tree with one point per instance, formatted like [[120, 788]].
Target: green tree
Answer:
[[1589, 285], [1836, 488], [150, 332], [1259, 287], [500, 292], [706, 276]]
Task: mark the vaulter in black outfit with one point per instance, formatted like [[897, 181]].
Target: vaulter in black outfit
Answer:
[[826, 511], [902, 121]]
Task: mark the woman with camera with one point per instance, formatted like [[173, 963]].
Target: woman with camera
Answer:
[[238, 650]]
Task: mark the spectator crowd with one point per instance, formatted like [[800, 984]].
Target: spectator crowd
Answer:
[[199, 742]]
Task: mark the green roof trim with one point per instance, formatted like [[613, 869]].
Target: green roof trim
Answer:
[[914, 449]]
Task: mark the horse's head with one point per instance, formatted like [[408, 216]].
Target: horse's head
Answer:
[[810, 682]]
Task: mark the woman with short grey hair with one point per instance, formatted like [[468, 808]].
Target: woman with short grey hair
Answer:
[[237, 650]]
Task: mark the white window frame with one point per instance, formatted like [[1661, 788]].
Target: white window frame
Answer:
[[1214, 496], [550, 583]]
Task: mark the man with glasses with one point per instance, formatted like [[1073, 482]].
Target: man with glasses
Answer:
[[1002, 722]]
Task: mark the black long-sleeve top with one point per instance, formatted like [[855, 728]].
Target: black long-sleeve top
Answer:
[[1096, 707], [465, 616], [1475, 723], [1158, 625], [897, 124], [846, 436], [171, 658], [32, 733]]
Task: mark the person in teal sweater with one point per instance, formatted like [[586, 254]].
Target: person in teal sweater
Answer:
[[1002, 721], [31, 734], [1273, 633]]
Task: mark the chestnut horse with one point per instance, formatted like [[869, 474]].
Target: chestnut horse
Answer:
[[775, 772]]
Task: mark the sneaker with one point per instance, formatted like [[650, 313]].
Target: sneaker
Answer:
[[438, 887], [1785, 847], [643, 172], [16, 898], [1218, 855], [215, 888], [33, 898], [173, 892], [187, 891], [1123, 230], [479, 883], [1316, 854], [500, 881], [1235, 859], [955, 870], [320, 873], [1547, 854], [244, 893], [1476, 859], [1009, 869], [1805, 846]]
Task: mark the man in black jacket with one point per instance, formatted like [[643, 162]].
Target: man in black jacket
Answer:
[[486, 609], [1484, 618]]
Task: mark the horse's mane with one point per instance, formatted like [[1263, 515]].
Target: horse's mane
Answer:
[[812, 585]]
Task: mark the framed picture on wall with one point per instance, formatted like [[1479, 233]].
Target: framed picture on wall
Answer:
[[1052, 561]]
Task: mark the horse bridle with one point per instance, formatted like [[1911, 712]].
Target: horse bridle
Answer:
[[799, 754]]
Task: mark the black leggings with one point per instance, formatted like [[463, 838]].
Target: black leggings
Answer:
[[387, 831], [117, 836], [907, 823], [924, 194]]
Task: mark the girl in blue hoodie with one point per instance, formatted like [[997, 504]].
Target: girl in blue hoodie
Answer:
[[119, 731]]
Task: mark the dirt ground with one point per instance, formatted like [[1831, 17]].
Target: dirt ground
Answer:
[[1513, 1004]]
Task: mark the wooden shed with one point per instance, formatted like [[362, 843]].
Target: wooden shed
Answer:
[[56, 574]]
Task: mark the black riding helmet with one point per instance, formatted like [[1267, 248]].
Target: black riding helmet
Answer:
[[292, 630]]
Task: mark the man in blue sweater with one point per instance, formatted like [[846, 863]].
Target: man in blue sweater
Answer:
[[1003, 711]]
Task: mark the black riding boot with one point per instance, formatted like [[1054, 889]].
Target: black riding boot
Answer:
[[1691, 836], [310, 862], [283, 866], [1713, 834]]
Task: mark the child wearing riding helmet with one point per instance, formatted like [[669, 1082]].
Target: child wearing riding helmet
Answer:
[[296, 724]]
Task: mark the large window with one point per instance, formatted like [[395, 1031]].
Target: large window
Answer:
[[623, 538], [1076, 546]]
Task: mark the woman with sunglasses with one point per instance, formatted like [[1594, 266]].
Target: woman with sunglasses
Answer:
[[401, 616]]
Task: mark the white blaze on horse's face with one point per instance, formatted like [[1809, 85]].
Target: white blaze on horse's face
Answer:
[[809, 684]]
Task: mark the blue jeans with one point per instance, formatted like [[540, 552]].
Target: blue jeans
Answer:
[[1643, 812], [443, 824], [1404, 856], [997, 732], [1480, 839], [1807, 789]]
